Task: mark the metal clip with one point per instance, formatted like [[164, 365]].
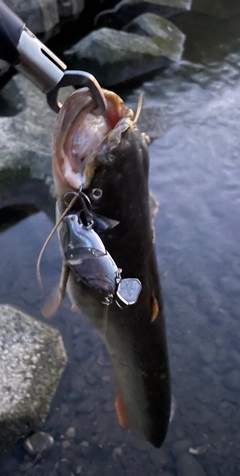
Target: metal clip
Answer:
[[80, 79]]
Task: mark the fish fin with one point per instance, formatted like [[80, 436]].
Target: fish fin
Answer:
[[155, 309], [53, 302], [121, 410]]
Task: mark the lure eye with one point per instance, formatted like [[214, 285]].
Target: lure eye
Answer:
[[97, 194]]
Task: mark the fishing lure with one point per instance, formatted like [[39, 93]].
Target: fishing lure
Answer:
[[88, 258]]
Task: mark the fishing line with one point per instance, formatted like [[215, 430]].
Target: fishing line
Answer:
[[51, 235]]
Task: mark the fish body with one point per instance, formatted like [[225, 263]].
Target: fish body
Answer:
[[135, 339]]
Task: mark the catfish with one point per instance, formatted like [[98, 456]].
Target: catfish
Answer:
[[106, 157]]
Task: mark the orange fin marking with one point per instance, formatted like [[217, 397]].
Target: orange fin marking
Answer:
[[155, 309], [120, 409]]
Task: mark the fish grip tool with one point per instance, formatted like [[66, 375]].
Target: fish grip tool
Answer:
[[23, 50]]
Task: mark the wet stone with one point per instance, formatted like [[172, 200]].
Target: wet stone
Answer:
[[85, 407], [207, 351], [109, 407], [27, 384], [64, 468], [66, 444], [37, 443], [159, 457], [71, 432], [232, 380], [104, 51], [180, 447], [141, 445], [187, 465], [117, 454], [84, 448]]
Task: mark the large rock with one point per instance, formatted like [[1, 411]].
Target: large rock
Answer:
[[32, 361], [126, 10], [42, 16], [26, 128], [115, 56], [150, 24]]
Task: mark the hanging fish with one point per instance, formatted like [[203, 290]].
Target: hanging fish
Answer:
[[107, 157]]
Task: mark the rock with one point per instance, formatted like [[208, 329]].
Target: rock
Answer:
[[140, 444], [66, 444], [126, 10], [32, 361], [37, 443], [4, 67], [84, 448], [208, 351], [71, 432], [159, 457], [26, 132], [198, 450], [12, 100], [150, 24], [43, 16], [180, 447], [232, 380], [115, 57], [187, 465]]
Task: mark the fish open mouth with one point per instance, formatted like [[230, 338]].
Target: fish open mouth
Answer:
[[80, 130]]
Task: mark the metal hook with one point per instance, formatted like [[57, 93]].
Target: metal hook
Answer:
[[81, 79]]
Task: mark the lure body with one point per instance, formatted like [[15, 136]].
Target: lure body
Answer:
[[86, 255]]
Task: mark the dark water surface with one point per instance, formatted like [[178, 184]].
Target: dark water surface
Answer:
[[195, 174]]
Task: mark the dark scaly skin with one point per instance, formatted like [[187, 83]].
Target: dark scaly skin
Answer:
[[136, 345]]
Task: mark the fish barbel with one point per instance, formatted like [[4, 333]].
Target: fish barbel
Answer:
[[107, 157]]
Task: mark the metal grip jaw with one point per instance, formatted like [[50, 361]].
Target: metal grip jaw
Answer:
[[20, 47], [39, 63]]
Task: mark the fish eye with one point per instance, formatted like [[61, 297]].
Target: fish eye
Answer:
[[97, 193]]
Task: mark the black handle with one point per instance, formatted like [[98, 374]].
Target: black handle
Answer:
[[11, 27]]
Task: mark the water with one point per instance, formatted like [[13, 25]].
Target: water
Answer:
[[195, 174]]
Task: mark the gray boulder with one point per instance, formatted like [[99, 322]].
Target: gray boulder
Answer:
[[150, 24], [26, 131], [32, 361], [43, 16], [126, 10], [115, 56]]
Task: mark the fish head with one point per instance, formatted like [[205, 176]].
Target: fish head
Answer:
[[105, 155], [79, 132]]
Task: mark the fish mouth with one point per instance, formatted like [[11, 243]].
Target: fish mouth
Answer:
[[79, 132]]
